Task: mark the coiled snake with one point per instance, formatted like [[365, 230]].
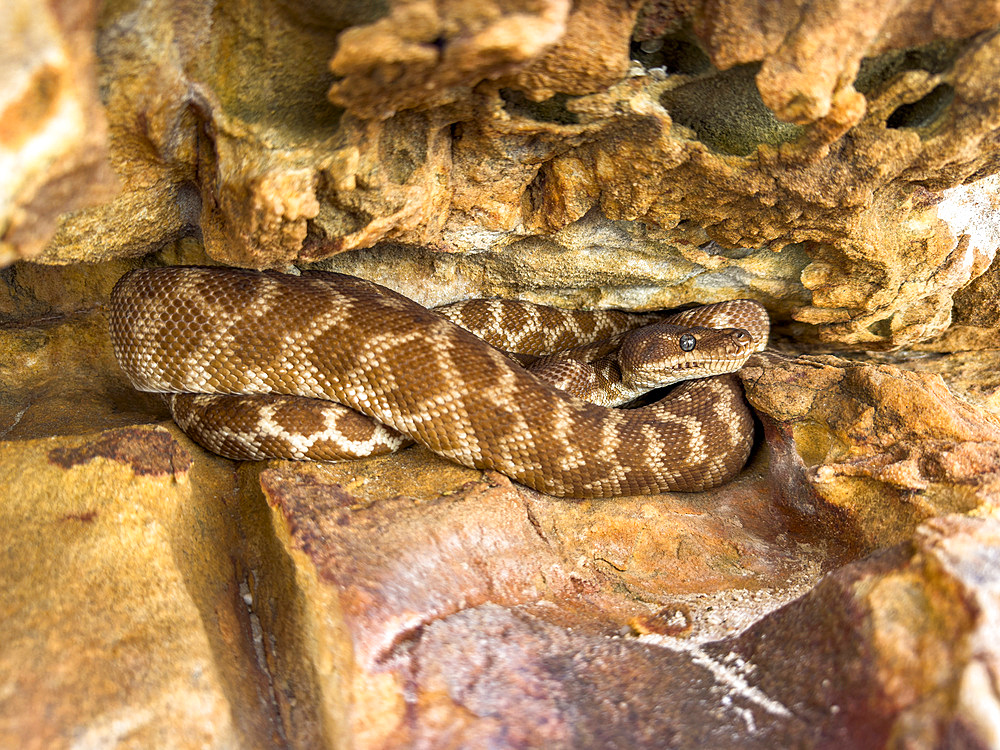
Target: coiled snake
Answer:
[[283, 352]]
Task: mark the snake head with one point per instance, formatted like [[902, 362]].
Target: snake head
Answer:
[[661, 354]]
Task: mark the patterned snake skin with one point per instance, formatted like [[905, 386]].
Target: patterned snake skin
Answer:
[[283, 352]]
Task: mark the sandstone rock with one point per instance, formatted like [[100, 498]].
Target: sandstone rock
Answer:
[[487, 618], [528, 118], [58, 372], [420, 56], [394, 612], [53, 149], [972, 375], [808, 61], [571, 269], [124, 575], [906, 651], [397, 585], [403, 601], [123, 619], [872, 450]]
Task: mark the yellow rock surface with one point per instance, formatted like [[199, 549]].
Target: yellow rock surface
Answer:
[[121, 609]]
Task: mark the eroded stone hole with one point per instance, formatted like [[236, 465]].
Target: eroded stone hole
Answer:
[[935, 58], [882, 329], [335, 218], [714, 248], [676, 54], [924, 112], [403, 145], [533, 198], [727, 113], [552, 109]]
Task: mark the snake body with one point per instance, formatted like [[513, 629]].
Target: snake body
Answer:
[[258, 364]]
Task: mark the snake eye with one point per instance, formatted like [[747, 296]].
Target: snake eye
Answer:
[[687, 342]]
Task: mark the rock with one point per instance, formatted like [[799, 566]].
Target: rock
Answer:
[[976, 316], [58, 371], [393, 580], [125, 580], [907, 652], [124, 622], [483, 618], [53, 141], [520, 129], [390, 611], [871, 451], [972, 375], [571, 269], [807, 61]]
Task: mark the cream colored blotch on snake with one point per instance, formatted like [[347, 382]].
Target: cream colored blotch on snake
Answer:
[[288, 341]]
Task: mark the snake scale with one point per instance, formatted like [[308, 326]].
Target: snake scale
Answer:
[[258, 364]]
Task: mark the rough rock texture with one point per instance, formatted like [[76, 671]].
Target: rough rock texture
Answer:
[[403, 582], [909, 656], [53, 133], [476, 126], [493, 617], [835, 160], [884, 448], [122, 607]]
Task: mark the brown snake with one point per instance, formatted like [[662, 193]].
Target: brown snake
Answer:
[[281, 348]]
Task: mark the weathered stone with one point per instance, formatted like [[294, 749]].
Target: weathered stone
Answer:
[[366, 582], [526, 120], [895, 650], [809, 62], [124, 567], [488, 617], [382, 572], [972, 375], [421, 55], [53, 149], [572, 269], [976, 318], [872, 450], [57, 370], [124, 623]]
